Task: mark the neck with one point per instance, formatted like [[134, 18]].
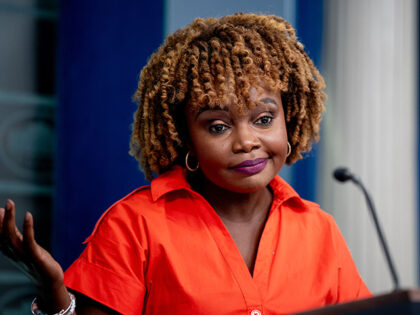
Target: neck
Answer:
[[233, 206]]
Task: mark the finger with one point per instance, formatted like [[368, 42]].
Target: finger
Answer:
[[18, 234], [10, 231], [1, 220], [9, 217], [17, 257], [28, 233], [39, 262], [1, 228], [13, 227], [29, 245]]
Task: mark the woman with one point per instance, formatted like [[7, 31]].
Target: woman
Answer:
[[223, 104]]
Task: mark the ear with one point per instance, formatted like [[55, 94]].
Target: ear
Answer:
[[190, 149]]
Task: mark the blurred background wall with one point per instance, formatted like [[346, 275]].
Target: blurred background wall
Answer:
[[68, 70], [28, 102], [371, 125]]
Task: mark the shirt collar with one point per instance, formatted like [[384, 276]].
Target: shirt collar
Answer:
[[283, 192], [171, 180], [175, 179]]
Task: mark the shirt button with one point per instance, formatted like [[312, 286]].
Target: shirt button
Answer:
[[255, 312]]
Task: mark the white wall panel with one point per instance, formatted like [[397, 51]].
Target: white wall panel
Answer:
[[370, 65]]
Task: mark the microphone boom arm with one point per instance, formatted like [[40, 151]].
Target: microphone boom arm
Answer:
[[379, 231]]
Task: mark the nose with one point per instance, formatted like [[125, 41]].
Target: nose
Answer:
[[244, 139]]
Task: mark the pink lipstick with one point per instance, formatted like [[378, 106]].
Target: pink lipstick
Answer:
[[251, 167]]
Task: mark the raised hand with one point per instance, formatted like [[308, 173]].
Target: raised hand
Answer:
[[32, 259]]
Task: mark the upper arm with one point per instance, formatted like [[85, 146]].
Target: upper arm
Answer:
[[111, 269]]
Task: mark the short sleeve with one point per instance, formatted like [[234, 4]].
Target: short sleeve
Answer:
[[350, 283], [111, 268]]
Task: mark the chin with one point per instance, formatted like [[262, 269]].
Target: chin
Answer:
[[248, 185], [239, 183]]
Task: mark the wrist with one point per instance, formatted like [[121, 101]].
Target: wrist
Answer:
[[69, 310], [54, 299]]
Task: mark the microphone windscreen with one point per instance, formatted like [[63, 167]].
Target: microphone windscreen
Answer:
[[342, 174]]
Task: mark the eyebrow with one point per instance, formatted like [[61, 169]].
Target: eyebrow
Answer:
[[268, 100], [265, 100], [206, 108]]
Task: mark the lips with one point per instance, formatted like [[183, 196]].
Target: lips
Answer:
[[251, 167], [250, 162]]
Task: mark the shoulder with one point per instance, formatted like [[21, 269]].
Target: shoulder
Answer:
[[289, 200], [311, 209], [123, 213], [145, 205], [302, 215], [309, 214]]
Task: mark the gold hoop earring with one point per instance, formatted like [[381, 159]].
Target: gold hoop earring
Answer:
[[187, 166], [289, 149]]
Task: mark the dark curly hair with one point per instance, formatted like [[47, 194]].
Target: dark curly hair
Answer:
[[217, 60]]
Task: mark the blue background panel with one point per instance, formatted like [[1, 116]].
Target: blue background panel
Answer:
[[102, 48], [309, 28]]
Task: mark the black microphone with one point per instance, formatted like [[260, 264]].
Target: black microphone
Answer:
[[343, 174]]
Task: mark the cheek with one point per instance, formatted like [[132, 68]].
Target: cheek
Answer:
[[212, 153], [277, 147], [277, 141], [208, 150]]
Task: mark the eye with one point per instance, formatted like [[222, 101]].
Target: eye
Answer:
[[218, 128], [264, 121]]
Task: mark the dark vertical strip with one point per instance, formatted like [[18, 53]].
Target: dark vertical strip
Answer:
[[103, 45], [418, 138], [45, 48], [309, 25]]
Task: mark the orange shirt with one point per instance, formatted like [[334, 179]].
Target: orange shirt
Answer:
[[164, 250]]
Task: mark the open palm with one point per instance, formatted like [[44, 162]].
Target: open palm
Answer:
[[22, 249]]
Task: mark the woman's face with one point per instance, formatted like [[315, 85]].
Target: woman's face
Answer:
[[240, 152]]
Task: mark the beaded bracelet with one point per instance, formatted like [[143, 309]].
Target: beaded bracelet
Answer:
[[69, 311]]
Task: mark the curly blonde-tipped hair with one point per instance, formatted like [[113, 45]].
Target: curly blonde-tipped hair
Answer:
[[217, 60]]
